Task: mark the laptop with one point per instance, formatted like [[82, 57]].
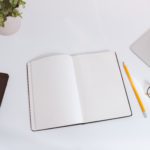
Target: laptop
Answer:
[[141, 48]]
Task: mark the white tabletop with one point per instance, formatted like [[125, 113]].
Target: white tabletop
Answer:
[[73, 26]]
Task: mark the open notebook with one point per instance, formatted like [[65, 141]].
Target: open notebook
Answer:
[[66, 90]]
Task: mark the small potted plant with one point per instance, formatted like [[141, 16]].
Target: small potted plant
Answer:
[[10, 16]]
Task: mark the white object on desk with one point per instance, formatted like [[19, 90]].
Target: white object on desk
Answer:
[[12, 25], [66, 90]]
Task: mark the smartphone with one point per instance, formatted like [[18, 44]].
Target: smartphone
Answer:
[[3, 83]]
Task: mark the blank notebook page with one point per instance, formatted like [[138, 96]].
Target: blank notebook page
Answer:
[[100, 86], [54, 99]]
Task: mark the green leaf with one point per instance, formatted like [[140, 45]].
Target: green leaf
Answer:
[[10, 8]]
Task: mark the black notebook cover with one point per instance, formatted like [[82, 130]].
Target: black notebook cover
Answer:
[[3, 83]]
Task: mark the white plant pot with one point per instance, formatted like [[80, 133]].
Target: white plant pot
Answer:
[[12, 25]]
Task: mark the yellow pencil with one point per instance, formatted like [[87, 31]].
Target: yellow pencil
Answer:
[[135, 90]]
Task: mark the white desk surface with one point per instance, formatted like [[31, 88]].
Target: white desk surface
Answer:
[[73, 26]]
